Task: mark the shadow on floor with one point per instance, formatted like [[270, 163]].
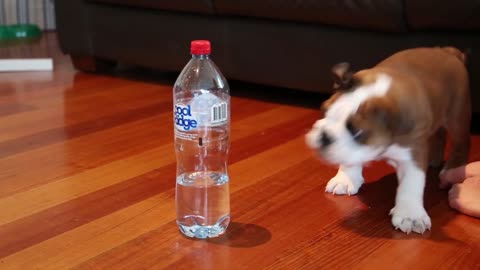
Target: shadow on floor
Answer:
[[241, 235], [379, 196]]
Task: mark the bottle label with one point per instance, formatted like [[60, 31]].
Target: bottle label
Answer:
[[219, 113], [190, 117], [185, 119]]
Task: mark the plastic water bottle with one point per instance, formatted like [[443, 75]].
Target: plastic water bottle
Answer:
[[202, 140]]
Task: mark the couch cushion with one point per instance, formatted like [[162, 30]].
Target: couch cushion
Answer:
[[198, 6], [447, 15], [384, 15]]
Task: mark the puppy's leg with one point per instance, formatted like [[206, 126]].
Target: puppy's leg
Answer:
[[437, 147], [409, 213], [347, 181], [458, 125]]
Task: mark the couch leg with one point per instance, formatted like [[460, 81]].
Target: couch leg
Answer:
[[92, 64]]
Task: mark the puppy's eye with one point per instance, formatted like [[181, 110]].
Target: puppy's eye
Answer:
[[351, 128], [356, 133]]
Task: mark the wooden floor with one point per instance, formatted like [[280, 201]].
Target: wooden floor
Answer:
[[87, 177]]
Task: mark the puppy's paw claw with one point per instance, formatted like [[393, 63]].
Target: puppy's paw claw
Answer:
[[341, 185], [410, 218]]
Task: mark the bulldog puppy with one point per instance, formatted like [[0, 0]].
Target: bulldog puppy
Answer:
[[400, 110]]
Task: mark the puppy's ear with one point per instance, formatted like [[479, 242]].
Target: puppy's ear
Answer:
[[388, 115], [343, 79]]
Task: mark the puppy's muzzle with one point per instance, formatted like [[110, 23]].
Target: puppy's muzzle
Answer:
[[325, 139]]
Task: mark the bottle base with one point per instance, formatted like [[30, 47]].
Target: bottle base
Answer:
[[202, 231]]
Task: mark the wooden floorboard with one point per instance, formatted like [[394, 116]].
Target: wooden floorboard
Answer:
[[87, 181]]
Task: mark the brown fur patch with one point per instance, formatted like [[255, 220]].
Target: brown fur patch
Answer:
[[360, 78], [380, 121], [430, 90]]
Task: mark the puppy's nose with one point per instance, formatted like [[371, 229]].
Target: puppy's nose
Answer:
[[325, 139]]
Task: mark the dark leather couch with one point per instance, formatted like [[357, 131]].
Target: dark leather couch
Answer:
[[284, 43]]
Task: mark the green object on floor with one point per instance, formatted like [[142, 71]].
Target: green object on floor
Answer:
[[19, 31]]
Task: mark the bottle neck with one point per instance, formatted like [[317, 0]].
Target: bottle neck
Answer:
[[201, 56]]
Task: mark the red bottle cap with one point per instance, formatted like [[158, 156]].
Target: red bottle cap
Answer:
[[200, 47]]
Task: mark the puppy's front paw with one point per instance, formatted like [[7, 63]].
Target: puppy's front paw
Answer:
[[342, 184], [410, 217]]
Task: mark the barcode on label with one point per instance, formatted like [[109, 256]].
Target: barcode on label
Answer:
[[219, 113]]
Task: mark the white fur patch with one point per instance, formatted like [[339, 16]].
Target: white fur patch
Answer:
[[347, 104], [409, 214], [348, 180], [344, 150], [396, 153], [312, 136]]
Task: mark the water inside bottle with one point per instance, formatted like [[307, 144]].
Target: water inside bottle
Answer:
[[203, 204]]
